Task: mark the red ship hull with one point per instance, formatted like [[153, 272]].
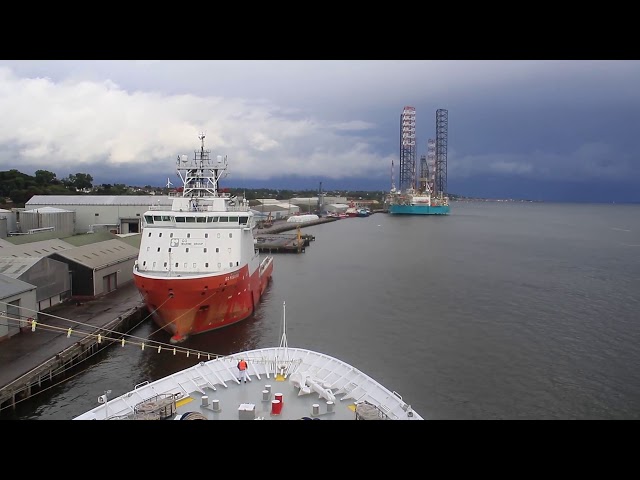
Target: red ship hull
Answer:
[[185, 306]]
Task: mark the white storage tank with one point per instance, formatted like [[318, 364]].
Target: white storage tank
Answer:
[[11, 224], [302, 218], [48, 218]]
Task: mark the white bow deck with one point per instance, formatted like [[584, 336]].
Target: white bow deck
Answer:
[[312, 385]]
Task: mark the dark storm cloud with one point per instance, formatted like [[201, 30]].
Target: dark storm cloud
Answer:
[[514, 122]]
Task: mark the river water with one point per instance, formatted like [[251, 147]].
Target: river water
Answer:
[[498, 311]]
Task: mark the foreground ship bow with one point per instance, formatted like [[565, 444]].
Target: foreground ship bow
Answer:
[[284, 383], [198, 268]]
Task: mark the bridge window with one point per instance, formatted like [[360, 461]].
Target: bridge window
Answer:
[[149, 219], [243, 220]]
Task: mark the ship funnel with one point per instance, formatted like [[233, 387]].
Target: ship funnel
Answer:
[[219, 158], [183, 158]]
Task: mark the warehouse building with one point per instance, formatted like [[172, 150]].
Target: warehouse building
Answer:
[[50, 277], [99, 268], [114, 213], [17, 305]]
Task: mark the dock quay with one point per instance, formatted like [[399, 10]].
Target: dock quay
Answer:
[[283, 226], [49, 352], [282, 243], [272, 240]]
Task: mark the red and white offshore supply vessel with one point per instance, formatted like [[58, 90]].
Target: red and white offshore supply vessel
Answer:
[[198, 268]]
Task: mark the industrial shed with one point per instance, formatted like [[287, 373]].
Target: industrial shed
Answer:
[[50, 277], [276, 208], [58, 220], [99, 268], [17, 305], [7, 222], [115, 213]]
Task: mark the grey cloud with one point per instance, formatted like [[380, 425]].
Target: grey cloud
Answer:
[[546, 120]]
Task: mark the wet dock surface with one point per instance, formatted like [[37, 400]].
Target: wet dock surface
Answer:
[[32, 358]]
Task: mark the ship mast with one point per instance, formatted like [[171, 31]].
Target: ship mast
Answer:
[[201, 175]]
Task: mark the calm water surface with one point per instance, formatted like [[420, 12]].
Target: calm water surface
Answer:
[[498, 311]]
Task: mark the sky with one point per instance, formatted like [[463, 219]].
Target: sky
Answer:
[[545, 130]]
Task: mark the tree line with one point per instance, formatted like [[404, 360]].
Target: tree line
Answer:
[[17, 188]]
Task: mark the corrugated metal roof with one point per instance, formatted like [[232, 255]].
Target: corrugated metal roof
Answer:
[[89, 238], [14, 267], [35, 249], [75, 240], [134, 200], [101, 254], [132, 239], [304, 200], [33, 237], [275, 208], [47, 210], [12, 286]]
